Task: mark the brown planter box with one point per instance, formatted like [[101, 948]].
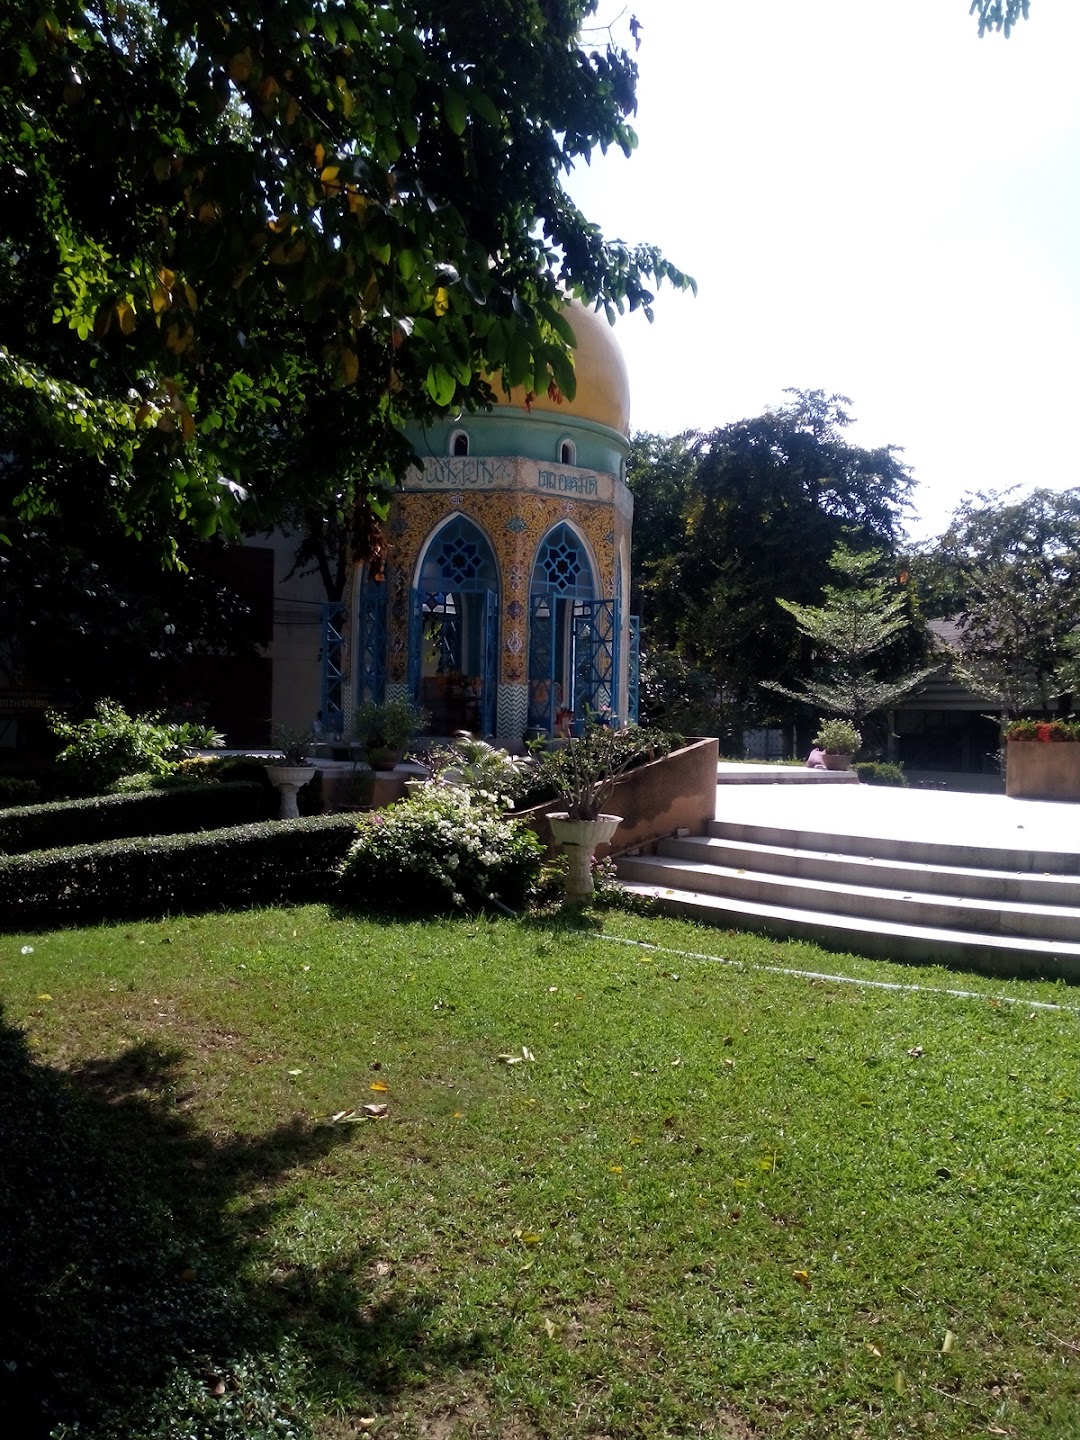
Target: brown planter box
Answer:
[[1042, 769], [676, 792]]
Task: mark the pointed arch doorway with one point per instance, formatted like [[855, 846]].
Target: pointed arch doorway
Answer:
[[564, 618], [453, 630]]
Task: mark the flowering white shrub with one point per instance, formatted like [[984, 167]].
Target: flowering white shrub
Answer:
[[440, 849]]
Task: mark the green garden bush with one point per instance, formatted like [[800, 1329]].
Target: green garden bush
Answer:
[[111, 744], [438, 850], [875, 772], [18, 790], [148, 812], [277, 862]]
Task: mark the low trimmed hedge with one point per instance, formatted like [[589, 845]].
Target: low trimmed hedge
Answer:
[[878, 772], [277, 862], [146, 812]]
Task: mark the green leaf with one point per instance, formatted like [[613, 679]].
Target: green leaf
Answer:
[[485, 107], [563, 370], [455, 111], [556, 318], [441, 385], [519, 360]]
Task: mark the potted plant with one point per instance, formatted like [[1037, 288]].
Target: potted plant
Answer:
[[292, 771], [583, 774], [838, 741], [384, 728], [1042, 759]]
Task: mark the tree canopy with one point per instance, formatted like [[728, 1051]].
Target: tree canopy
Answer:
[[999, 14], [746, 513], [1008, 571], [243, 241]]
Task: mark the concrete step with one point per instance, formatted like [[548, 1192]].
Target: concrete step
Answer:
[[996, 954], [863, 901], [733, 772], [924, 850], [983, 883], [834, 867]]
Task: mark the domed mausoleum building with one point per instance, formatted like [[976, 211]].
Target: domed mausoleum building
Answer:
[[503, 610]]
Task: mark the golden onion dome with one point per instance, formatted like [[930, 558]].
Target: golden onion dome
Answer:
[[603, 384]]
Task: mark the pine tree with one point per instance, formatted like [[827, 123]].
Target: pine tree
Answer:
[[849, 632]]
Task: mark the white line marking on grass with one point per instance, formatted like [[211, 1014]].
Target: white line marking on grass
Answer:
[[840, 979]]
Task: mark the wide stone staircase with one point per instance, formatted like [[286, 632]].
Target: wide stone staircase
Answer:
[[979, 904]]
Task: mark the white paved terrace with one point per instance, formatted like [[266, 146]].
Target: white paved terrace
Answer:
[[945, 817]]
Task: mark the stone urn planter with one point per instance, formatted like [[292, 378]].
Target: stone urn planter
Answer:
[[835, 760], [578, 839], [384, 757], [287, 780]]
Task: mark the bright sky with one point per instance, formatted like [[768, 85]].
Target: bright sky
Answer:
[[873, 201]]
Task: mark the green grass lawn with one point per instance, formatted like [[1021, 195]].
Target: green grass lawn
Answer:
[[707, 1199]]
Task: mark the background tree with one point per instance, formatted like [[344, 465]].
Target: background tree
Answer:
[[660, 473], [243, 241], [90, 612], [999, 14], [743, 514], [853, 634], [1008, 571]]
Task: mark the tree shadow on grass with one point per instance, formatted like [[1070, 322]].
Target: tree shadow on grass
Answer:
[[129, 1305]]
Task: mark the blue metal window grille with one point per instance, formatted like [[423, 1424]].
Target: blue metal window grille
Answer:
[[542, 659], [562, 567], [416, 640], [596, 660], [633, 677], [489, 693], [561, 580], [459, 558], [332, 710], [371, 643]]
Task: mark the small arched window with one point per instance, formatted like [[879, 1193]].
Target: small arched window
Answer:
[[459, 443], [567, 452]]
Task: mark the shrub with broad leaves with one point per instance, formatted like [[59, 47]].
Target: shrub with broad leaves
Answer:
[[489, 774], [111, 744]]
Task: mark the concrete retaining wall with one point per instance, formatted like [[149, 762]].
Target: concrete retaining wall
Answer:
[[676, 792]]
